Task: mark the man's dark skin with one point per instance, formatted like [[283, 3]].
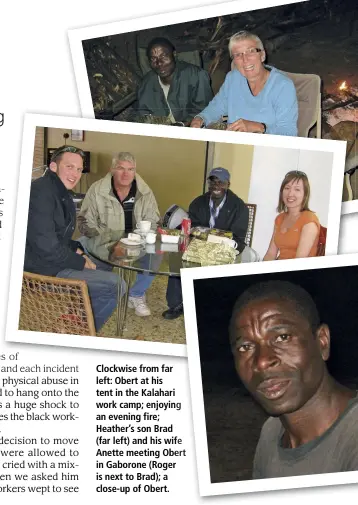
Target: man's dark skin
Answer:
[[162, 61], [282, 362], [217, 189]]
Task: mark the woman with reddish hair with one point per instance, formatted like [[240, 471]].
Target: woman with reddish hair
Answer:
[[296, 230]]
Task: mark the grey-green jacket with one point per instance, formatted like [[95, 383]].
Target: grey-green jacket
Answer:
[[101, 211]]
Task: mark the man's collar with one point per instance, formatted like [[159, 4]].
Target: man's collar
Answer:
[[53, 175]]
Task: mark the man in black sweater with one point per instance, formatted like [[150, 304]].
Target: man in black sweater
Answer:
[[50, 249], [218, 208]]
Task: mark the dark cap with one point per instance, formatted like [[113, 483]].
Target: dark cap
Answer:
[[221, 173]]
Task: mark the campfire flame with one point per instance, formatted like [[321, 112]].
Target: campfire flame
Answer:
[[343, 86]]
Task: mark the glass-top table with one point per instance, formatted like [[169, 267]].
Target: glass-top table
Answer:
[[155, 259]]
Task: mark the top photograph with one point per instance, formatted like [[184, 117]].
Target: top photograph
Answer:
[[286, 70]]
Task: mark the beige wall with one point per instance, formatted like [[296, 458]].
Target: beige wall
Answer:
[[173, 168], [237, 158]]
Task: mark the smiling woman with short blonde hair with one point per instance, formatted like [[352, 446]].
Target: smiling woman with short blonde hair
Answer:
[[256, 97]]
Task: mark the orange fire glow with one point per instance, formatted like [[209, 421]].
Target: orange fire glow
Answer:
[[343, 86]]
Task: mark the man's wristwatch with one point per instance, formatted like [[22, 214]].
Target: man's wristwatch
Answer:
[[263, 124]]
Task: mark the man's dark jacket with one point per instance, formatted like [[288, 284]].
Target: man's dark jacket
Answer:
[[51, 223], [234, 216], [189, 93]]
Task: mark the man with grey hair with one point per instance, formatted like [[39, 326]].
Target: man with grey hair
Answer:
[[257, 98], [119, 201]]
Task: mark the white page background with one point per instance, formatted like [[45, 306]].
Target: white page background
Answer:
[[37, 76]]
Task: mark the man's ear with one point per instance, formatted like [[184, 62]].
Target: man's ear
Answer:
[[263, 56], [324, 340], [175, 55], [228, 184], [53, 166]]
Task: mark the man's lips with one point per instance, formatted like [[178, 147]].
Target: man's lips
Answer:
[[272, 389]]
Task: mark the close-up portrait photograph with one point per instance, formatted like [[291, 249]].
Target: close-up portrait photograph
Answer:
[[272, 361]]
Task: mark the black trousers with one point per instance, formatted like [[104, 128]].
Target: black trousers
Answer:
[[174, 294]]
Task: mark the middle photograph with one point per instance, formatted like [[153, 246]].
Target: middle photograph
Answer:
[[148, 206]]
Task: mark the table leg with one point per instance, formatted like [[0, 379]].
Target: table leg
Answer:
[[122, 297]]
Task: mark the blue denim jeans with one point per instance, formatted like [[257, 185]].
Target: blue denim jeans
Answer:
[[143, 281], [102, 288]]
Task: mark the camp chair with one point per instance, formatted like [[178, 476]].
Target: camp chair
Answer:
[[321, 247], [350, 170], [55, 305], [351, 180], [308, 91]]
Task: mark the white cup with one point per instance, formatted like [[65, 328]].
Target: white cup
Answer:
[[144, 226], [150, 238], [230, 242], [224, 240]]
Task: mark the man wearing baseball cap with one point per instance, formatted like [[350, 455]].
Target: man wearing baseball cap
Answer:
[[218, 208]]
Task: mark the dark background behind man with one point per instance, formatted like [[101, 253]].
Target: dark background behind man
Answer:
[[233, 419]]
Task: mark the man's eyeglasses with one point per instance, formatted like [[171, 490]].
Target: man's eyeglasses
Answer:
[[250, 52], [67, 149], [296, 172]]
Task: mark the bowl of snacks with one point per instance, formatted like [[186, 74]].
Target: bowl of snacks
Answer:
[[168, 236]]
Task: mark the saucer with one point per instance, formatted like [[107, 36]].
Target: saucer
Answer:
[[143, 233], [132, 243]]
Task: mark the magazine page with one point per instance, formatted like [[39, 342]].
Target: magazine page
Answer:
[[100, 416]]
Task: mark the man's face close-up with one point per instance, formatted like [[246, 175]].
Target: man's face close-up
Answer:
[[162, 61], [277, 356], [217, 188], [123, 173], [69, 169]]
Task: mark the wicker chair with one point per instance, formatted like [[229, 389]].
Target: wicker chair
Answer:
[[250, 228], [55, 305]]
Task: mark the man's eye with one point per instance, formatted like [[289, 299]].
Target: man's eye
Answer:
[[283, 338], [244, 347]]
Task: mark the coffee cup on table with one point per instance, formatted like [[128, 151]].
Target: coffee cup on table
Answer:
[[222, 240], [230, 242], [144, 226], [151, 238]]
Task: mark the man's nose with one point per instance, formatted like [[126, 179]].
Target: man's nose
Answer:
[[265, 358]]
